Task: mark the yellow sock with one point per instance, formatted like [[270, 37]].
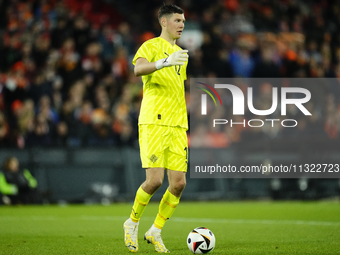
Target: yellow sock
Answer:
[[141, 200], [166, 209]]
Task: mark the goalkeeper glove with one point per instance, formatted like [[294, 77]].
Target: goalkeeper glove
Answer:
[[176, 58]]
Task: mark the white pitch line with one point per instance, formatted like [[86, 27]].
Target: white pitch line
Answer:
[[175, 219], [246, 221], [225, 221]]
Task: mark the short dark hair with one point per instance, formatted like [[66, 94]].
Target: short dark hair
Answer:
[[168, 9]]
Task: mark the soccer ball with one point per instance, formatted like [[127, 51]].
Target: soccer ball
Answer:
[[201, 241]]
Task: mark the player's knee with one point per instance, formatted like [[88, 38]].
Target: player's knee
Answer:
[[158, 183], [155, 184], [179, 186]]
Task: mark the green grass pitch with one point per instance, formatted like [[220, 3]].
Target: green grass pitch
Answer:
[[239, 227]]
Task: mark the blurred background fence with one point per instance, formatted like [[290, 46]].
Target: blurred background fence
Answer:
[[93, 175]]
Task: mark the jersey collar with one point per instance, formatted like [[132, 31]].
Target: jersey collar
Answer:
[[167, 41]]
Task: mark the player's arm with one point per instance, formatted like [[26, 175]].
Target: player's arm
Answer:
[[144, 67]]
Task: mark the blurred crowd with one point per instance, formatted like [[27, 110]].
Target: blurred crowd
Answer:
[[65, 81], [66, 77]]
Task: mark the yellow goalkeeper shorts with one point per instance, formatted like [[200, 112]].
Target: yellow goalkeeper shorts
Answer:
[[163, 146]]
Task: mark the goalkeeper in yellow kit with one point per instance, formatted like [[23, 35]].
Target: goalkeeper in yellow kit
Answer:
[[162, 125]]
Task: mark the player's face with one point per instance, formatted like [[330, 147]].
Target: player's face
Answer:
[[175, 25]]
